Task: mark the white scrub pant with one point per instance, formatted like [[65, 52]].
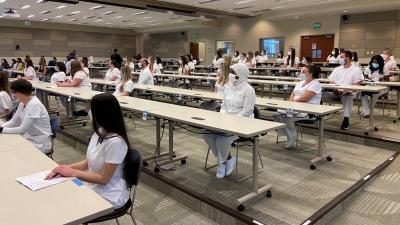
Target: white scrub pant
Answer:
[[220, 145], [290, 129], [365, 103], [347, 101]]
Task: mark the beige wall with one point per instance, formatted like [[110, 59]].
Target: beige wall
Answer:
[[370, 33], [247, 32], [165, 45], [58, 40]]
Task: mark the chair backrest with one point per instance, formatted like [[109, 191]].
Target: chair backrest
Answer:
[[54, 125], [256, 113], [132, 167]]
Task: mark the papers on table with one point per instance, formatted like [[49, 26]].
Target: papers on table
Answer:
[[36, 181]]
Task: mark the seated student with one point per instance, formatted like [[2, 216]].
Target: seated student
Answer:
[[14, 64], [20, 65], [103, 167], [52, 64], [291, 60], [145, 76], [29, 71], [307, 60], [113, 73], [354, 60], [308, 90], [236, 57], [59, 75], [375, 71], [130, 63], [79, 79], [184, 67], [217, 57], [250, 60], [5, 100], [263, 57], [223, 75], [159, 64], [239, 99], [333, 58], [279, 59], [346, 74], [242, 58], [390, 63], [31, 118], [85, 65], [190, 62], [125, 86]]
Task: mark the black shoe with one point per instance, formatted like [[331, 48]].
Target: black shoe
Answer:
[[345, 123], [80, 113]]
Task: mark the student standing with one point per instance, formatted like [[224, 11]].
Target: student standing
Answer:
[[375, 71], [105, 160], [346, 74], [116, 58], [308, 90], [239, 99], [125, 86], [113, 73], [5, 100], [31, 118]]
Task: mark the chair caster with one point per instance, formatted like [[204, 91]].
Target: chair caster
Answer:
[[366, 133], [376, 129], [312, 167], [145, 164], [84, 124], [269, 194], [156, 170], [394, 121], [328, 158], [183, 161], [241, 208]]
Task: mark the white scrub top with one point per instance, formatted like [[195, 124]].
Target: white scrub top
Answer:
[[113, 151], [313, 86], [58, 76], [128, 87], [113, 73], [146, 77], [375, 76], [5, 102], [347, 76], [30, 72], [85, 80], [86, 70], [239, 100], [33, 122], [333, 60], [296, 61]]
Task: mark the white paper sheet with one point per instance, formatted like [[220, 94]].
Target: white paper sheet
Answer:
[[36, 181]]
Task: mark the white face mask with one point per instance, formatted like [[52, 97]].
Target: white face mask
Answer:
[[302, 76], [262, 54], [333, 52], [15, 97], [180, 61], [303, 61], [90, 115], [289, 53], [342, 61]]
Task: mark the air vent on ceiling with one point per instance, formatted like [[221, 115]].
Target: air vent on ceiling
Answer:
[[246, 7], [207, 1]]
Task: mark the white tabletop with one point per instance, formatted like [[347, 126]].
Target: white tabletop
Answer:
[[75, 92], [64, 203]]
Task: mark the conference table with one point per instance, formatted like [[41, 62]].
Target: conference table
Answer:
[[63, 203], [209, 120]]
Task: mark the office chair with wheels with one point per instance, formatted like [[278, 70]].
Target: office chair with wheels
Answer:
[[132, 166], [54, 125]]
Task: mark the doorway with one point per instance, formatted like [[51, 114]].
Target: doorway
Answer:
[[198, 50], [318, 47]]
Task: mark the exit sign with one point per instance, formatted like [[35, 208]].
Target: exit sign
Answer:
[[317, 26]]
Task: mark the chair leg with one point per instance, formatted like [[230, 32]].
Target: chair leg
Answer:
[[261, 162], [237, 162], [116, 219], [133, 219], [206, 163]]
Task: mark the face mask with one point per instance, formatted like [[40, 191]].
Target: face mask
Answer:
[[375, 65], [262, 54], [15, 97], [303, 76], [303, 61], [289, 53], [342, 61], [180, 61], [333, 52], [139, 65], [90, 114]]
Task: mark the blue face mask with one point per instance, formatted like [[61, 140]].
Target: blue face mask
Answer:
[[375, 65], [341, 61]]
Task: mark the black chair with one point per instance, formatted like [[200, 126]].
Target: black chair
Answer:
[[54, 125], [132, 166], [237, 144]]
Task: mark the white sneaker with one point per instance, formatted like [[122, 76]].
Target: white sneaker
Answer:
[[221, 171], [230, 165]]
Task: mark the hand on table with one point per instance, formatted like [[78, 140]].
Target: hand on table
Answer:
[[63, 170]]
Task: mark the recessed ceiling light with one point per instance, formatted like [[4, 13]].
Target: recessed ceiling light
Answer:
[[117, 17], [244, 2], [296, 17], [345, 11], [72, 20], [139, 13], [99, 20], [25, 6], [39, 1], [97, 7], [61, 7], [59, 16], [1, 1], [45, 12], [76, 12], [45, 19], [30, 16]]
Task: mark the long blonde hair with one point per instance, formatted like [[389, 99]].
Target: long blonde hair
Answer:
[[225, 68], [126, 75], [151, 63]]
